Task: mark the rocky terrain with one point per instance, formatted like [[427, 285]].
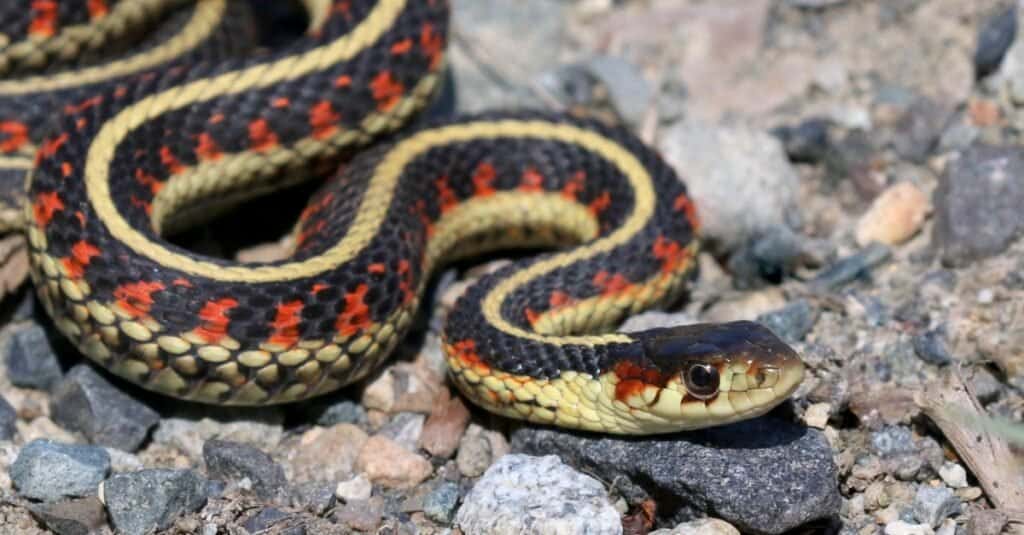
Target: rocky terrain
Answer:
[[859, 173]]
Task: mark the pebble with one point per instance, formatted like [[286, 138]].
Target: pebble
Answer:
[[445, 425], [343, 412], [353, 490], [478, 449], [50, 471], [405, 429], [684, 473], [313, 496], [772, 256], [387, 463], [86, 402], [233, 461], [853, 267], [932, 505], [986, 522], [598, 82], [703, 526], [265, 519], [188, 435], [748, 306], [8, 419], [930, 346], [360, 515], [791, 322], [995, 36], [817, 415], [807, 142], [123, 461], [30, 359], [81, 516], [899, 527], [404, 387], [953, 475], [522, 493], [326, 453], [893, 440], [147, 500], [439, 504], [739, 177], [977, 203], [894, 216]]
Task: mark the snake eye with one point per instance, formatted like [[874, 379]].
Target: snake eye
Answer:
[[701, 380]]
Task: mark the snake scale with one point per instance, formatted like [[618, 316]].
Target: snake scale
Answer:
[[121, 145]]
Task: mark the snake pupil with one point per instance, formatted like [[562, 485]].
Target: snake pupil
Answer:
[[702, 381]]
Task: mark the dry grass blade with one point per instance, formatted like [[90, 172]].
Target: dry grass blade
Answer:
[[953, 406], [13, 263]]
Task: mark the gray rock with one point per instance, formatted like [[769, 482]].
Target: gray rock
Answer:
[[313, 496], [995, 36], [892, 441], [579, 85], [265, 519], [919, 128], [806, 142], [791, 322], [405, 429], [932, 505], [739, 177], [81, 516], [930, 346], [520, 493], [364, 515], [977, 203], [8, 419], [719, 471], [439, 504], [345, 411], [986, 522], [771, 256], [30, 359], [232, 461], [147, 500], [86, 402], [851, 268], [49, 471]]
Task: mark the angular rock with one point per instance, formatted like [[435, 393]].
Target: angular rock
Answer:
[[86, 402], [387, 463], [986, 522], [326, 453], [994, 38], [265, 519], [521, 493], [932, 505], [977, 203], [354, 490], [8, 419], [147, 500], [478, 448], [232, 461], [806, 142], [342, 412], [445, 425], [851, 268], [599, 83], [405, 429], [791, 322], [30, 359], [315, 497], [931, 347], [740, 179], [894, 216], [50, 471], [718, 471], [704, 526], [363, 516], [188, 433], [82, 516], [439, 504]]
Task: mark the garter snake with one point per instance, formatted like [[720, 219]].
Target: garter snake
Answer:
[[115, 151]]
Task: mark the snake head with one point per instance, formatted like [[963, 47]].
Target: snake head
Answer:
[[708, 374]]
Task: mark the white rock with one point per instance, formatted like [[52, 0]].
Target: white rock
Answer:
[[900, 527], [703, 526], [356, 489], [526, 494], [953, 475]]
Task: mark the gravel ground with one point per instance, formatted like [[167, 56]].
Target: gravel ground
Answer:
[[858, 169]]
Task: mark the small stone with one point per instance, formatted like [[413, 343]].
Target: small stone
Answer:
[[739, 177], [894, 216], [995, 36], [520, 493], [806, 142], [363, 516], [82, 516], [852, 267], [969, 494], [977, 203], [387, 463], [262, 430], [313, 496], [326, 453], [750, 305], [600, 83], [232, 461], [445, 425], [791, 322], [354, 490], [948, 527], [86, 402], [8, 419], [30, 359], [403, 387], [899, 527], [817, 414], [771, 256], [405, 429], [147, 500], [439, 504], [477, 450], [931, 347], [893, 441], [342, 412], [953, 475], [50, 471], [933, 504], [703, 526], [264, 520], [986, 522], [122, 461]]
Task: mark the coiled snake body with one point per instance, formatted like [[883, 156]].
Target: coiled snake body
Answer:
[[119, 152]]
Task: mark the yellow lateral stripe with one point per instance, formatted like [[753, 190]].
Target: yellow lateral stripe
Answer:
[[14, 162], [205, 18]]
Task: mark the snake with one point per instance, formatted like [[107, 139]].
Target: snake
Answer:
[[108, 149]]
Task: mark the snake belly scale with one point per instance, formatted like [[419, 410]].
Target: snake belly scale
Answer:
[[147, 143]]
